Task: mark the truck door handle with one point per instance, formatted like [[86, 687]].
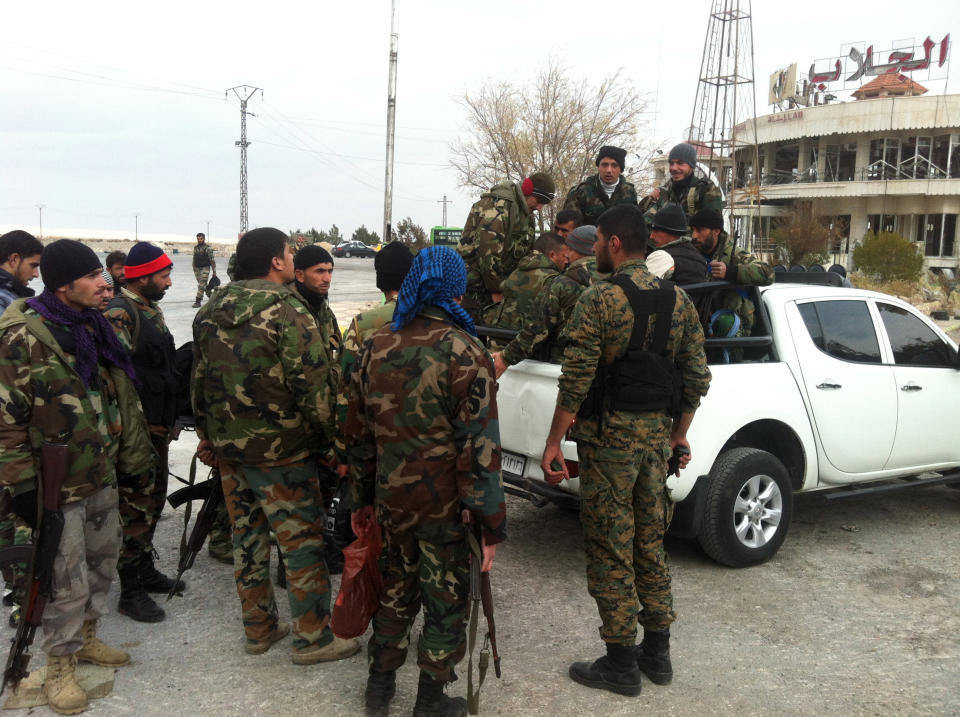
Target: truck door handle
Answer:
[[825, 385], [911, 387]]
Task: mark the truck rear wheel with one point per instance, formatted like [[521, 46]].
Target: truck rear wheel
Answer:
[[747, 510]]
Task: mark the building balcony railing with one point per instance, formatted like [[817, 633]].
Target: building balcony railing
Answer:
[[913, 168]]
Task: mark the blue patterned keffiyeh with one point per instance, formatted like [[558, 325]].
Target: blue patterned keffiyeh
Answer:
[[437, 275]]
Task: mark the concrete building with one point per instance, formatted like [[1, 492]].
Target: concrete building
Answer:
[[889, 160]]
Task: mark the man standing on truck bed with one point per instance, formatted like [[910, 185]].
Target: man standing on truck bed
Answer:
[[498, 233], [625, 430]]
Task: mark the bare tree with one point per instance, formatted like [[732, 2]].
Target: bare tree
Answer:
[[555, 124]]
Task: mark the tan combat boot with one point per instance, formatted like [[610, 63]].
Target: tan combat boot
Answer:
[[64, 695], [96, 651], [339, 649]]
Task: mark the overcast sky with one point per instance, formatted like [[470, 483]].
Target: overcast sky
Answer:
[[111, 109]]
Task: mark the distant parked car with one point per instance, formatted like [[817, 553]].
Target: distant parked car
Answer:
[[348, 249]]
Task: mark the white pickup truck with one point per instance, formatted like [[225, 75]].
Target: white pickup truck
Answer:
[[837, 388]]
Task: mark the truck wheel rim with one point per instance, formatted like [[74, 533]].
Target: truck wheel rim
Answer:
[[757, 511]]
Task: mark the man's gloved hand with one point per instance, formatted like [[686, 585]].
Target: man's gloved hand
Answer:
[[24, 506]]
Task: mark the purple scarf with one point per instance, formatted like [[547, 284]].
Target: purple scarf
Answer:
[[92, 347]]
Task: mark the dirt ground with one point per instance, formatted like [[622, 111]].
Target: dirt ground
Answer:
[[856, 615]]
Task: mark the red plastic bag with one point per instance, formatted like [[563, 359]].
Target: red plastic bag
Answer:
[[361, 584]]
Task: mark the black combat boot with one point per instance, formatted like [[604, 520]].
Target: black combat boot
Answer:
[[617, 671], [134, 602], [381, 687], [653, 656], [153, 581], [432, 702]]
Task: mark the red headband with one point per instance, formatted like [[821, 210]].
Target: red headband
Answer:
[[151, 267]]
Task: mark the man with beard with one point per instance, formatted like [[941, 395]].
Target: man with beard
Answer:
[[629, 338], [19, 264], [138, 322], [684, 188]]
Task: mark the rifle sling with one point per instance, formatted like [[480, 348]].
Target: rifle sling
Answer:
[[473, 694]]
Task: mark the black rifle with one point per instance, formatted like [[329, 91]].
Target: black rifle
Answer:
[[210, 492], [54, 462], [480, 594]]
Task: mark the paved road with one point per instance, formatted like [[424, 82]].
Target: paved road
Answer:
[[856, 615]]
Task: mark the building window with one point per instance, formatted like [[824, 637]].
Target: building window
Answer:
[[841, 162], [938, 233]]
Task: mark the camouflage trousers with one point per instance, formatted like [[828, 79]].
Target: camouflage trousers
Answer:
[[84, 567], [141, 503], [284, 499], [435, 575], [13, 531], [221, 534], [625, 512], [202, 275]]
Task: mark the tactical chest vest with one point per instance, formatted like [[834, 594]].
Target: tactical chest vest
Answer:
[[642, 380]]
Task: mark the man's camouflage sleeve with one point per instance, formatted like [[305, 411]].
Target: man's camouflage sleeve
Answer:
[[690, 356], [550, 311], [349, 350], [360, 451], [485, 248], [212, 255], [306, 369], [748, 270], [122, 324], [16, 400]]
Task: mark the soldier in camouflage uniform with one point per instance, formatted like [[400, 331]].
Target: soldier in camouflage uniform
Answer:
[[138, 321], [530, 279], [498, 233], [552, 308], [261, 401], [204, 261], [668, 232], [623, 453], [424, 443], [727, 263], [607, 188], [566, 221], [684, 188], [66, 378]]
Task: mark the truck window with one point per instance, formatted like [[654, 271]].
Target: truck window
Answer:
[[913, 342], [842, 329]]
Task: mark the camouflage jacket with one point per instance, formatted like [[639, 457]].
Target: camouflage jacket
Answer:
[[43, 398], [699, 194], [742, 266], [361, 328], [551, 311], [534, 275], [599, 331], [422, 431], [498, 233], [260, 379], [124, 324], [590, 198], [204, 255]]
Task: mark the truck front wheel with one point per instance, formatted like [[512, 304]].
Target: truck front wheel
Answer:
[[747, 509]]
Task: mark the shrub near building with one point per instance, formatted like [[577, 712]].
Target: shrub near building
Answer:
[[888, 256]]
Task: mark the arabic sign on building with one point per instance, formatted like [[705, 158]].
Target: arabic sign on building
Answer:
[[859, 63]]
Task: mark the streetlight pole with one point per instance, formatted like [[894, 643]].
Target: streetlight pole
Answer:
[[136, 226], [208, 230], [40, 208]]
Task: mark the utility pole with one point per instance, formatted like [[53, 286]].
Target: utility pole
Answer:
[[243, 93], [40, 208], [136, 226], [444, 202], [208, 230], [391, 120]]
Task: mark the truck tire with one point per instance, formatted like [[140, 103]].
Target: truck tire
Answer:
[[747, 510]]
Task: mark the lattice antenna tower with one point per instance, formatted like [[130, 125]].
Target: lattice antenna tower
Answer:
[[724, 112], [244, 93]]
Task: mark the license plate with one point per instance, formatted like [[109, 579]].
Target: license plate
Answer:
[[512, 463]]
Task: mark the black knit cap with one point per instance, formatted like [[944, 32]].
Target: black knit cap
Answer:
[[392, 264], [66, 260], [670, 218], [311, 255], [617, 154], [707, 218]]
